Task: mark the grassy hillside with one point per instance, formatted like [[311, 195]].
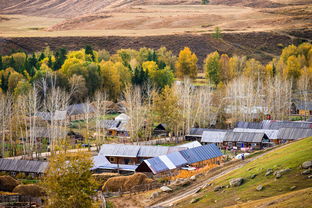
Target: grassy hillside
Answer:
[[290, 156]]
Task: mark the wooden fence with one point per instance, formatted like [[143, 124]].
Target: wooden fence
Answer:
[[10, 201]]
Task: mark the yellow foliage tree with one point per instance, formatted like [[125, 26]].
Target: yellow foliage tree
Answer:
[[186, 64], [68, 181]]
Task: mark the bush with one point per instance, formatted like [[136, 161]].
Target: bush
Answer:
[[7, 183]]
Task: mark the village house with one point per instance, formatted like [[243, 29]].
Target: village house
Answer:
[[301, 108], [246, 140], [80, 111], [29, 167], [172, 164], [271, 133], [134, 154]]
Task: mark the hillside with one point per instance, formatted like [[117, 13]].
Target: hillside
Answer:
[[289, 157]]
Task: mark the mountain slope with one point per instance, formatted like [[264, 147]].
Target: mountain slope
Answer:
[[291, 156]]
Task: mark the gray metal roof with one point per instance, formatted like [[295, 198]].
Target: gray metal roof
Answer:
[[272, 134], [294, 133], [190, 144], [42, 132], [109, 124], [198, 131], [201, 153], [250, 137], [272, 124], [82, 108], [123, 150], [101, 162], [213, 136], [119, 150], [249, 125], [25, 166]]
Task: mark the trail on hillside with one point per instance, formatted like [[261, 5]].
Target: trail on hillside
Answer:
[[189, 191]]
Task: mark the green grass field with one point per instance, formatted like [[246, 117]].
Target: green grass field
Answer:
[[290, 156]]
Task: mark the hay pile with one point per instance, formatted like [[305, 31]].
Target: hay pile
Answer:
[[125, 183], [31, 190], [7, 183], [103, 177]]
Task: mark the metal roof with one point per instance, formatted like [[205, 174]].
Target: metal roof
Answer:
[[190, 144], [26, 166], [249, 125], [294, 133], [272, 134], [178, 159], [42, 132], [251, 137], [81, 108], [289, 124], [122, 117], [123, 150], [108, 124], [272, 124], [201, 153], [101, 162], [119, 150], [213, 136], [197, 131]]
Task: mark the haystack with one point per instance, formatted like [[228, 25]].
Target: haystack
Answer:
[[125, 183], [31, 190], [7, 183]]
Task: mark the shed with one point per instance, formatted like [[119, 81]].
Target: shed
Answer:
[[23, 166], [160, 130], [294, 133], [215, 137], [249, 125], [246, 139]]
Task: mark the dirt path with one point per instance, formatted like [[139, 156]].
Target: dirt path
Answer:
[[193, 189]]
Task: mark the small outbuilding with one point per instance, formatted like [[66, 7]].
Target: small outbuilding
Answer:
[[161, 130]]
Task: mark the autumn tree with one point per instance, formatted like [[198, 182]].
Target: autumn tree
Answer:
[[186, 64], [68, 181], [166, 109], [212, 67]]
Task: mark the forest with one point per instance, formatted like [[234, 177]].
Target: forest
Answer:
[[155, 86]]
